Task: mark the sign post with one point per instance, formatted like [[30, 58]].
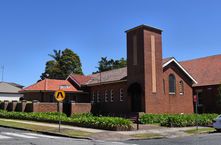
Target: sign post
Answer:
[[196, 109], [59, 96]]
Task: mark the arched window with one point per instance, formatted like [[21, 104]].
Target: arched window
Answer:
[[181, 87], [172, 84]]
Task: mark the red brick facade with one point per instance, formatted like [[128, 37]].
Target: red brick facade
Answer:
[[144, 85]]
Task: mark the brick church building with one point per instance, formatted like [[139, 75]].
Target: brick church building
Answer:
[[150, 83]]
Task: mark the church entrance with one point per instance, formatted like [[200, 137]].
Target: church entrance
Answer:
[[134, 91]]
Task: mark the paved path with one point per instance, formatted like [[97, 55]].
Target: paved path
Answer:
[[91, 130]]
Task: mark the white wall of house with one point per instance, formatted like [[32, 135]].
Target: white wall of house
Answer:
[[10, 97]]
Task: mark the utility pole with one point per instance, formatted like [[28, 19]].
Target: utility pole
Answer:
[[2, 72]]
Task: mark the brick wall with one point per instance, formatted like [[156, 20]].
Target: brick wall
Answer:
[[178, 103], [80, 108], [115, 106]]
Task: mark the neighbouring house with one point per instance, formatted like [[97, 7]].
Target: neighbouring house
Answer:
[[44, 90], [10, 91], [149, 83]]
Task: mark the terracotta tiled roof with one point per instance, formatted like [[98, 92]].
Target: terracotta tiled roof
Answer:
[[103, 77], [80, 79], [207, 70], [51, 85], [108, 76]]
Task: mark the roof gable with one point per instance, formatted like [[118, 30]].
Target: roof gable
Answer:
[[51, 85], [167, 62], [8, 88]]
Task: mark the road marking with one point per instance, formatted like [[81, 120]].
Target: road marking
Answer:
[[17, 135], [4, 137], [121, 143], [41, 135]]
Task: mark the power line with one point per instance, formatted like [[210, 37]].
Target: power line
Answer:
[[2, 72]]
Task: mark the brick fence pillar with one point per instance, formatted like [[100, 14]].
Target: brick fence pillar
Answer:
[[6, 102], [72, 103], [14, 104], [35, 104], [23, 105]]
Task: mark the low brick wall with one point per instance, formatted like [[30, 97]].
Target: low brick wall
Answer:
[[80, 108], [36, 106]]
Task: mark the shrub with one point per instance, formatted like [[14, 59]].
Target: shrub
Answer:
[[83, 120], [178, 120]]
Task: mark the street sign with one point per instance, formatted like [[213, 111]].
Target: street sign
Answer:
[[59, 95], [195, 98]]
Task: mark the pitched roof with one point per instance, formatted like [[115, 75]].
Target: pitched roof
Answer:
[[50, 85], [80, 79], [203, 71], [8, 88], [108, 76], [206, 70]]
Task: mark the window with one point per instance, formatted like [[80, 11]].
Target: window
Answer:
[[98, 96], [181, 87], [105, 96], [121, 95], [112, 96], [172, 84], [93, 97], [164, 91]]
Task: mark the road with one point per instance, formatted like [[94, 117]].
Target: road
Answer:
[[18, 137], [206, 139]]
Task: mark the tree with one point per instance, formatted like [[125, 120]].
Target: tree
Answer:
[[64, 63], [105, 64]]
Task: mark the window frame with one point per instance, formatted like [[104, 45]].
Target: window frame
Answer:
[[181, 87], [111, 95], [173, 92]]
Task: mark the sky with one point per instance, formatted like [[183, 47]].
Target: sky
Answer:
[[32, 29]]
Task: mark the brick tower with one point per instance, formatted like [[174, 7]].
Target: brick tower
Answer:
[[144, 69]]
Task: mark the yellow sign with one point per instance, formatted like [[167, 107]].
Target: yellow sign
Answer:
[[59, 95]]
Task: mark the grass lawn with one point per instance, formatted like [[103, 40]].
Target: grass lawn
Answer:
[[146, 136], [38, 128], [200, 130]]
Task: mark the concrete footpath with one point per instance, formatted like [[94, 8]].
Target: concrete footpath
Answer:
[[145, 131]]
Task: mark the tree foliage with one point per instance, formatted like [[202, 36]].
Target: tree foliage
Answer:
[[104, 64], [64, 63]]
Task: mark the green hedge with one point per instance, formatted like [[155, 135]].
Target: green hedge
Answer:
[[84, 120], [178, 120]]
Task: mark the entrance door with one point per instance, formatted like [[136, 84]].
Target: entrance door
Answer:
[[135, 92]]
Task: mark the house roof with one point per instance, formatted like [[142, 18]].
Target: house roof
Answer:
[[80, 79], [203, 71], [206, 70], [8, 88], [50, 85], [109, 76]]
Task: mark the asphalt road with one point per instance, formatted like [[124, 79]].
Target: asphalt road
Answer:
[[18, 137], [207, 139]]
